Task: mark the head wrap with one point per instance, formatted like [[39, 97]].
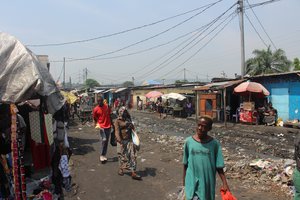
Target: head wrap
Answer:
[[121, 111]]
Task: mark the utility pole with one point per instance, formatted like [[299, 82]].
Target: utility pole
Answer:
[[64, 81], [132, 80], [70, 82], [86, 73], [79, 77], [241, 13], [184, 77], [163, 81]]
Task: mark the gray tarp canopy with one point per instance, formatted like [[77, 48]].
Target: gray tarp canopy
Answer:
[[22, 76]]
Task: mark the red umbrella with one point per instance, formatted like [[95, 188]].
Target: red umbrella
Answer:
[[153, 94], [246, 88]]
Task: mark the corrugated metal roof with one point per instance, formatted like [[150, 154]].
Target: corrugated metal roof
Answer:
[[219, 85], [276, 74], [98, 91], [110, 90], [120, 90]]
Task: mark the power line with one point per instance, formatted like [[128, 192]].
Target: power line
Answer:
[[62, 69], [212, 23], [158, 66], [149, 38], [163, 63], [202, 46], [121, 32], [261, 4], [262, 26], [246, 7], [151, 48], [256, 30], [154, 61]]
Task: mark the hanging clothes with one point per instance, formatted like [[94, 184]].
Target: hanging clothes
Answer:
[[35, 126]]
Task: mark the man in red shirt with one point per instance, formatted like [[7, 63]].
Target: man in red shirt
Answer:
[[101, 115]]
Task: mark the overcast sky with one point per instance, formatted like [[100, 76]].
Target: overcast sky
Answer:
[[158, 51]]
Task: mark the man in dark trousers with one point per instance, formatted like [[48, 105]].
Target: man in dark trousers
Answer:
[[101, 116]]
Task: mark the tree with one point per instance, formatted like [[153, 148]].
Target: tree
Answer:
[[296, 64], [181, 81], [128, 84], [267, 62], [91, 83]]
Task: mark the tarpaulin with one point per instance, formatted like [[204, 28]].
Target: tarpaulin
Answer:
[[22, 76]]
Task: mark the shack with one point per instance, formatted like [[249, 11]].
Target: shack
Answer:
[[284, 93], [217, 100], [22, 79]]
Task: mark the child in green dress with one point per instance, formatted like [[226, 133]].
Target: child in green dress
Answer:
[[202, 158]]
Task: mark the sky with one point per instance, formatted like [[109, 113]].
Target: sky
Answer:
[[138, 40]]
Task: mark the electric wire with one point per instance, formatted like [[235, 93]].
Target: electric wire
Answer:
[[163, 64], [154, 47], [260, 4], [262, 26], [146, 39], [62, 69], [164, 55], [121, 32], [175, 47], [256, 30], [202, 46], [250, 6]]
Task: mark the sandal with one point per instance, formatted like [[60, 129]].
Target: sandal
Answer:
[[135, 176]]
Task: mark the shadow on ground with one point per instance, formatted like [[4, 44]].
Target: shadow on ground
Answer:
[[83, 146], [148, 171]]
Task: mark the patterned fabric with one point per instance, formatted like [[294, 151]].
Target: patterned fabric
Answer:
[[127, 155], [64, 166], [67, 183], [121, 111], [17, 156], [35, 126], [49, 128]]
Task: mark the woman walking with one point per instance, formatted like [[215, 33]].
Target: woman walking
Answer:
[[127, 151]]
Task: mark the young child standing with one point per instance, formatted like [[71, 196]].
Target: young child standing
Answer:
[[64, 168], [202, 158]]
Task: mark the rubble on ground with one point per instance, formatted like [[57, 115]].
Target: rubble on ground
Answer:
[[259, 159]]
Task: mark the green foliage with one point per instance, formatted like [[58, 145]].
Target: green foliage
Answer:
[[296, 64], [128, 84], [267, 62], [91, 83], [181, 81]]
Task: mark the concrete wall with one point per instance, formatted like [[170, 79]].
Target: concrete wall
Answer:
[[285, 97]]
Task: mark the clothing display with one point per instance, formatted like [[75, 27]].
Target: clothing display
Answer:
[[17, 156], [64, 166], [49, 128], [35, 126]]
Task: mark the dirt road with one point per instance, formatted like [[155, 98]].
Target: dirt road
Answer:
[[159, 160]]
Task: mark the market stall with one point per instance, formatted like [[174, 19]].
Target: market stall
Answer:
[[23, 78], [251, 92], [175, 105]]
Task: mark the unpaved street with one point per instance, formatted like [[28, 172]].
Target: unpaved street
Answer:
[[160, 156]]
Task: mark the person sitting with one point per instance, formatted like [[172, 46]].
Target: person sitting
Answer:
[[270, 115]]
